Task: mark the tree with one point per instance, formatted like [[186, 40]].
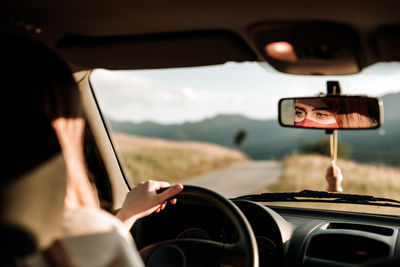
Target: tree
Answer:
[[240, 137]]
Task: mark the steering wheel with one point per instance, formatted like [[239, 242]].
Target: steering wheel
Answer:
[[197, 252]]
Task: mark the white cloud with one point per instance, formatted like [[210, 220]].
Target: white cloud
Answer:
[[129, 96]]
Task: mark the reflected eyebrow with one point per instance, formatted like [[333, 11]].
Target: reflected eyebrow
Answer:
[[303, 109]]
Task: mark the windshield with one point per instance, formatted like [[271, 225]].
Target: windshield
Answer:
[[216, 127]]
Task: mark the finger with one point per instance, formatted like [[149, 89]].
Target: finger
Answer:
[[173, 201], [170, 192], [161, 184], [162, 206]]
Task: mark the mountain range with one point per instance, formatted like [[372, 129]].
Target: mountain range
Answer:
[[266, 139]]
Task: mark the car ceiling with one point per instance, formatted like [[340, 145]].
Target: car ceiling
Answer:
[[60, 19]]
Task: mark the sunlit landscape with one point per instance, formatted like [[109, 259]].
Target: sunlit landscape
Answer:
[[182, 125]]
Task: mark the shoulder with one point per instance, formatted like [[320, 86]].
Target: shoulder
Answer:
[[93, 237], [89, 237], [86, 220]]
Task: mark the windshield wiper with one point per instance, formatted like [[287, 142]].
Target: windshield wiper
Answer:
[[322, 196]]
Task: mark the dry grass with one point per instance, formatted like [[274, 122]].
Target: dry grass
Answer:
[[153, 158], [308, 172]]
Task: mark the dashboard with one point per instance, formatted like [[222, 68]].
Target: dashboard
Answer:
[[285, 236]]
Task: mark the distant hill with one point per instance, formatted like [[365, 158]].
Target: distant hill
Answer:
[[266, 139]]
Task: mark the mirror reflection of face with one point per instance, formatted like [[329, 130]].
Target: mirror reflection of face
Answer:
[[314, 113]]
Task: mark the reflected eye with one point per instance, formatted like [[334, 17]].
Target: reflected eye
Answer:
[[322, 115], [299, 113]]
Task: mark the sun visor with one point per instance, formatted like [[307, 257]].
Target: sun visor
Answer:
[[155, 51], [309, 47]]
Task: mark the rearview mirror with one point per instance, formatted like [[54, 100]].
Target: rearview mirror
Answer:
[[332, 112]]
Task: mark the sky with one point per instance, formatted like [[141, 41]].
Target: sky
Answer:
[[252, 89]]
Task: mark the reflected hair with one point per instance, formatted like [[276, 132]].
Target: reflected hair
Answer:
[[357, 113]]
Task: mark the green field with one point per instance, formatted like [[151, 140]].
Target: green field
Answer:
[[172, 161]]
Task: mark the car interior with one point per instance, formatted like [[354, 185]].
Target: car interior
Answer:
[[310, 39]]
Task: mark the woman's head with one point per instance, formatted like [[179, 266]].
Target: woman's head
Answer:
[[44, 101], [33, 183], [37, 75], [29, 100]]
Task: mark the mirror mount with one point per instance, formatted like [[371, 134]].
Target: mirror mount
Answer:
[[332, 88]]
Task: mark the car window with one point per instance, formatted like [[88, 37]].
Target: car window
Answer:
[[216, 126]]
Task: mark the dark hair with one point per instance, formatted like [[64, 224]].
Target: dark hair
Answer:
[[357, 113], [34, 92]]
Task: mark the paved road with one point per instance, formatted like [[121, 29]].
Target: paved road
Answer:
[[239, 178]]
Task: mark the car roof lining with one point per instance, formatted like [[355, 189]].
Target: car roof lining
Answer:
[[199, 48], [136, 21], [104, 18]]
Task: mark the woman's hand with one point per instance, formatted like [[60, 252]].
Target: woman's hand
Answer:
[[143, 200], [334, 181]]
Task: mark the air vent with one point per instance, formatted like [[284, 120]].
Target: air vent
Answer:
[[362, 227], [346, 248]]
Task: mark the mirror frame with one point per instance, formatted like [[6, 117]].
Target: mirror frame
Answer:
[[379, 103]]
